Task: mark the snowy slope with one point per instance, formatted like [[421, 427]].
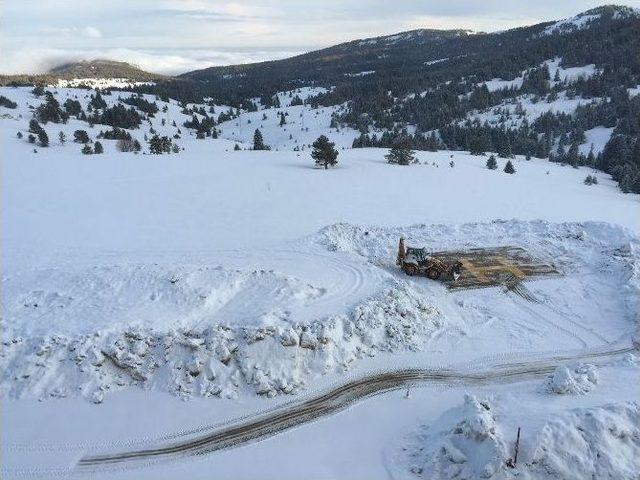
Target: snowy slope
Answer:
[[222, 273]]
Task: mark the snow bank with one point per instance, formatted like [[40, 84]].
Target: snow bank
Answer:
[[219, 360], [465, 442], [468, 442], [578, 379], [601, 442]]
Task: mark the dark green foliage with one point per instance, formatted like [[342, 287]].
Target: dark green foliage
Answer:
[[72, 107], [87, 150], [591, 180], [258, 141], [142, 104], [81, 136], [508, 168], [5, 102], [43, 138], [115, 134], [97, 102], [236, 147], [159, 145], [62, 138], [97, 148], [31, 138], [492, 164], [324, 152], [50, 111], [117, 116], [401, 153]]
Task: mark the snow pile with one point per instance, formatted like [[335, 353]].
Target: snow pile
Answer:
[[465, 442], [601, 442], [101, 83], [216, 359], [578, 379]]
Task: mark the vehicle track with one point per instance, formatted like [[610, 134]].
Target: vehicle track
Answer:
[[339, 398]]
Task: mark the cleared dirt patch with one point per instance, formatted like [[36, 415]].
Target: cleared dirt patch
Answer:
[[491, 267]]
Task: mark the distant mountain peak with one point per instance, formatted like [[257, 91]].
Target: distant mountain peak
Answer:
[[101, 68], [585, 19]]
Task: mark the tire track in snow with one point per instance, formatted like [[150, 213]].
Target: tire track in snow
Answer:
[[271, 423]]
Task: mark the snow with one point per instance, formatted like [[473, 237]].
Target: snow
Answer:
[[360, 74], [597, 138], [253, 277], [464, 443], [602, 442], [304, 93], [532, 110], [439, 60], [498, 84], [469, 441], [578, 379], [101, 83], [567, 25], [570, 74]]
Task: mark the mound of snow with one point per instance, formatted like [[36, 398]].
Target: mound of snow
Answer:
[[219, 360], [600, 442], [578, 379], [465, 442]]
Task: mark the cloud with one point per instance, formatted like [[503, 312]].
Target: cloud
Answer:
[[91, 32]]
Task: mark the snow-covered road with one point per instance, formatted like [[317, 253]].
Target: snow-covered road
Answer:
[[268, 424]]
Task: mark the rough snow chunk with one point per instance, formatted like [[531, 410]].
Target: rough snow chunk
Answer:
[[579, 379]]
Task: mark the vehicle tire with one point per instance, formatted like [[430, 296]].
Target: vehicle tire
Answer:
[[433, 273], [411, 270]]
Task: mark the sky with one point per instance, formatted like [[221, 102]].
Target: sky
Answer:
[[175, 36]]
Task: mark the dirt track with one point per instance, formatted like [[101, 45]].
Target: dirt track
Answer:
[[339, 398]]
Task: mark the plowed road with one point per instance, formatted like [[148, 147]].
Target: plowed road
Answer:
[[339, 398]]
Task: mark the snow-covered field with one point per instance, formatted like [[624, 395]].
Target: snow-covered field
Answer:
[[213, 275]]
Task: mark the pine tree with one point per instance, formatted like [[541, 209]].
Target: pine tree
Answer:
[[97, 148], [508, 168], [324, 152], [492, 164], [19, 135], [43, 138], [236, 147], [62, 137], [283, 120], [401, 153], [87, 150], [258, 141], [80, 136]]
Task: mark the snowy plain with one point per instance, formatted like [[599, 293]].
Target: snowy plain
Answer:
[[218, 265]]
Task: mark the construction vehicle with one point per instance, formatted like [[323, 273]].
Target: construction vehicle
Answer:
[[417, 261]]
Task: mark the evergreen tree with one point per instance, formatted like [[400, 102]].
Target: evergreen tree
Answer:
[[508, 168], [236, 147], [62, 137], [87, 150], [80, 136], [283, 120], [324, 152], [258, 141], [97, 148], [159, 145], [492, 164], [401, 153], [43, 138], [19, 135]]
